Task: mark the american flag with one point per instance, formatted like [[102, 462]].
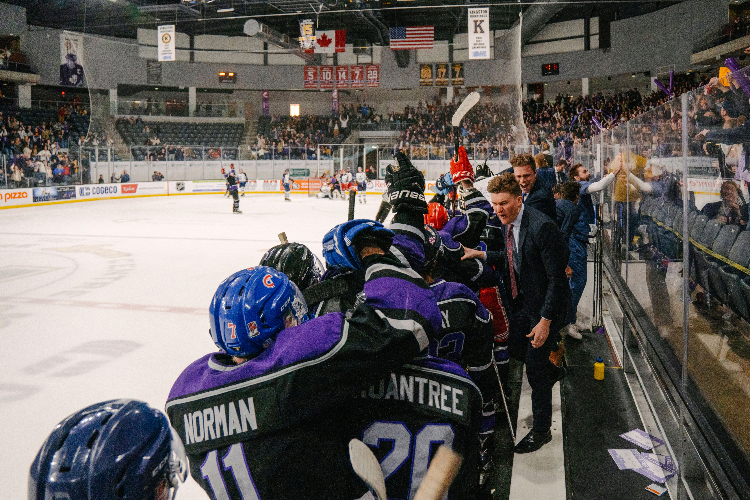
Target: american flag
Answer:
[[415, 37]]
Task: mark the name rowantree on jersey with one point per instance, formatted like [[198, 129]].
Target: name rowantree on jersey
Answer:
[[408, 414]]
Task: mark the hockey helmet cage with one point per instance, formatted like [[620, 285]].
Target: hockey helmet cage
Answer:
[[433, 245], [115, 450], [436, 216], [296, 261], [251, 307]]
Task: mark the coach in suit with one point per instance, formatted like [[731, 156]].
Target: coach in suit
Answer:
[[536, 192], [532, 264]]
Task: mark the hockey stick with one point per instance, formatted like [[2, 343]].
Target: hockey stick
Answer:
[[464, 108], [505, 403], [441, 473], [352, 200], [282, 238], [367, 467], [468, 103]]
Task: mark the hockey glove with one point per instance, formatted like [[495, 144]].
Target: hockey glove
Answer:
[[341, 245], [405, 186], [483, 171], [443, 184], [462, 169]]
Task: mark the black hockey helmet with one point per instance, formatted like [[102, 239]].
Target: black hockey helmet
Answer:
[[433, 246], [296, 261]]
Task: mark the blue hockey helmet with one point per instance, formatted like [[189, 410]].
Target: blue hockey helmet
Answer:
[[339, 249], [251, 307], [115, 450]]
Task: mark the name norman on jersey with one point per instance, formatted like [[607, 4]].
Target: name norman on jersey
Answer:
[[442, 397], [209, 423]]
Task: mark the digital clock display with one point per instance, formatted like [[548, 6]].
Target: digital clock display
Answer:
[[550, 69]]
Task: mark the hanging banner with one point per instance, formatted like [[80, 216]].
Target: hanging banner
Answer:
[[479, 33], [311, 77], [335, 102], [265, 97], [425, 75], [342, 77], [442, 74], [307, 35], [326, 77], [357, 77], [71, 59], [373, 75], [457, 74], [153, 72], [165, 49]]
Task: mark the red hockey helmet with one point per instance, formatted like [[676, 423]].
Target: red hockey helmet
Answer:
[[436, 216]]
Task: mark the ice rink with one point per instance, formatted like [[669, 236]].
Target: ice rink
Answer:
[[109, 299]]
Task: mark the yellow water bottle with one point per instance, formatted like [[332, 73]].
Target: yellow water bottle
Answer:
[[599, 369]]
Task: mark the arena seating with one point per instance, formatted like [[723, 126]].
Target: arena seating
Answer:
[[720, 254], [182, 133]]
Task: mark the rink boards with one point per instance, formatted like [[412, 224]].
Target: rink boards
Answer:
[[47, 195]]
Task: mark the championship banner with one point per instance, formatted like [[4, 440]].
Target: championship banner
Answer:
[[425, 75], [71, 59], [479, 33], [311, 77], [357, 77], [335, 102], [457, 74], [307, 36], [265, 98], [373, 75], [342, 77], [326, 77], [165, 47], [442, 76]]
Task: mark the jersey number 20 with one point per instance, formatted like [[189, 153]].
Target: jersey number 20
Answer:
[[418, 448]]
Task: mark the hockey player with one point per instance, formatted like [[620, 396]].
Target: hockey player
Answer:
[[297, 262], [361, 179], [286, 181], [232, 187], [115, 449], [242, 178], [346, 182], [467, 339], [414, 409], [335, 187], [269, 415]]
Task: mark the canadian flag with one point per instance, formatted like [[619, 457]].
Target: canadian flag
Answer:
[[330, 41]]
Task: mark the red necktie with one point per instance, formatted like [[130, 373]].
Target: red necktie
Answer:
[[509, 250]]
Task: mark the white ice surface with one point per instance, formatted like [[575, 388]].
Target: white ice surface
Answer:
[[109, 299]]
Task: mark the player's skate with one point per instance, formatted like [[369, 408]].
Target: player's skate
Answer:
[[236, 211]]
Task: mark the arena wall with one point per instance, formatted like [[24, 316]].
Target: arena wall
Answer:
[[642, 43]]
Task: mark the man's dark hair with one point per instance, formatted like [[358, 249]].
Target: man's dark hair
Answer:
[[573, 172], [570, 191], [505, 183], [562, 162]]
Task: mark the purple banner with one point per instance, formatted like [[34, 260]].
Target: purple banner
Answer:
[[335, 103], [266, 100]]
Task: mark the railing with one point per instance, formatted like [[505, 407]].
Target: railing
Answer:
[[179, 107], [199, 162]]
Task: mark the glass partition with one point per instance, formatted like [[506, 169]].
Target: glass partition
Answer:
[[676, 246]]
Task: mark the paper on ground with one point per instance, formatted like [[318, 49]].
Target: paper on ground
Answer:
[[626, 459], [642, 439]]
